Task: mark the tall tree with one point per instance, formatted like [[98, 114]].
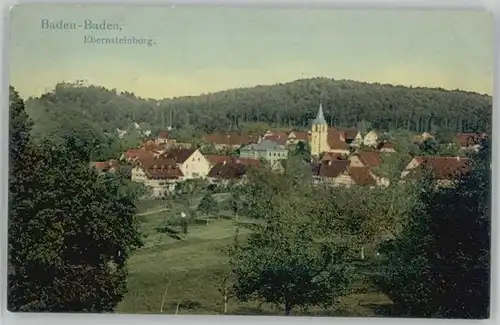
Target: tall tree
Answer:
[[19, 130], [439, 266], [287, 261], [186, 192], [208, 205], [235, 201], [429, 147], [260, 193], [20, 163], [71, 230], [302, 150]]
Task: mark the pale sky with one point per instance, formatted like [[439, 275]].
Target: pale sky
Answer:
[[201, 50]]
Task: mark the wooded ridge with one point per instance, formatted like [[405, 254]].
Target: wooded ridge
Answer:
[[346, 104]]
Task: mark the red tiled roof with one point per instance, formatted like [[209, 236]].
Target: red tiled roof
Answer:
[[105, 166], [150, 145], [228, 170], [231, 139], [370, 158], [443, 168], [299, 135], [137, 153], [334, 131], [362, 176], [278, 138], [100, 165], [331, 168], [180, 155], [331, 156], [216, 159], [349, 134], [160, 168], [336, 143], [469, 139], [335, 140]]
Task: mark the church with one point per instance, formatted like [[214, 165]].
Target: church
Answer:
[[329, 139]]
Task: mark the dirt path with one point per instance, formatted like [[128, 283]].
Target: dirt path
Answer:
[[152, 212]]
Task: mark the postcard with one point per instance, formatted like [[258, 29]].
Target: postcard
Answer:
[[250, 161]]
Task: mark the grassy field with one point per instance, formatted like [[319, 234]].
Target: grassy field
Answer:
[[184, 274]]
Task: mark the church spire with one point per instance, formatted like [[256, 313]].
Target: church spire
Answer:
[[320, 118]]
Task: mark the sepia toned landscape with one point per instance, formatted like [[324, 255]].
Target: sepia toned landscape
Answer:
[[240, 182]]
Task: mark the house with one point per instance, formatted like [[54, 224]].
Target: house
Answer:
[[445, 170], [227, 171], [295, 137], [371, 139], [151, 149], [160, 175], [386, 147], [216, 159], [280, 138], [157, 149], [191, 162], [352, 137], [470, 141], [288, 138], [165, 141], [229, 140], [365, 159], [133, 154], [164, 138], [421, 138], [332, 172], [363, 176], [361, 168], [106, 166], [150, 145], [426, 136], [326, 139], [336, 142], [331, 156], [339, 173], [267, 150]]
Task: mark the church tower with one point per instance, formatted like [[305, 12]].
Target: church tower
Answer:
[[319, 134]]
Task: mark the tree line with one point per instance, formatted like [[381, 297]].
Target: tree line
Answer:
[[96, 110], [427, 248]]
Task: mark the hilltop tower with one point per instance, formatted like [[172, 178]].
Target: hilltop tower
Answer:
[[319, 134]]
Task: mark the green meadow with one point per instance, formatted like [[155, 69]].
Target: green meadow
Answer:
[[177, 275]]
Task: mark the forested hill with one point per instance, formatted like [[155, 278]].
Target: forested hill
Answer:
[[293, 104]]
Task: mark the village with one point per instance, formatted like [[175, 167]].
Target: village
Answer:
[[264, 161], [337, 157]]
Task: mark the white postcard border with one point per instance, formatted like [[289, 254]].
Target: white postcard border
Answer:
[[77, 319]]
